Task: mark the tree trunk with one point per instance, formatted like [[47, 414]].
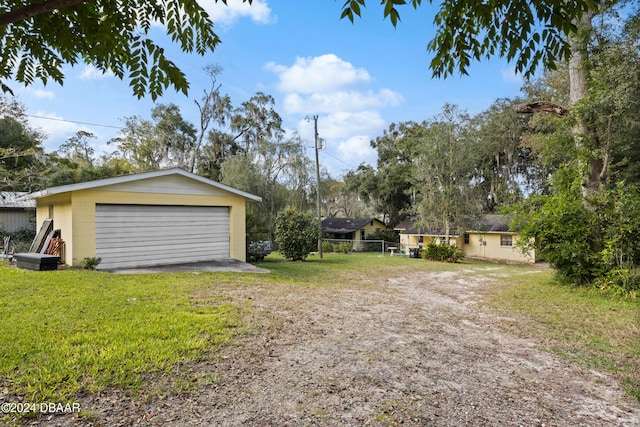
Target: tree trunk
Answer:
[[585, 139]]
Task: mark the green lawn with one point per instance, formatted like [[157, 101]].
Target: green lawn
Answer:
[[63, 332], [71, 331]]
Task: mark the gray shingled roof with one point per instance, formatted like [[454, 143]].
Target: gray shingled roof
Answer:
[[409, 226], [491, 222], [344, 225], [9, 200], [487, 223]]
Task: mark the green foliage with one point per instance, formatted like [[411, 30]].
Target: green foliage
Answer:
[[90, 263], [344, 247], [327, 246], [388, 188], [531, 33], [386, 235], [446, 165], [559, 228], [277, 171], [111, 36], [620, 254], [78, 148], [20, 149], [596, 243], [256, 251], [612, 106], [296, 234], [442, 252], [21, 239], [503, 160], [165, 140]]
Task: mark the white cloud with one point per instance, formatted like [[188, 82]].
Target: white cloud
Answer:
[[318, 74], [358, 149], [327, 102], [92, 73], [344, 99], [41, 93], [345, 124], [259, 11]]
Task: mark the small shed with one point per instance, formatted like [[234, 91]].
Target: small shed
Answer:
[[153, 218], [16, 213]]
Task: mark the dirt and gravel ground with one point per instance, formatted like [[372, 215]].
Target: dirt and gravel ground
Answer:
[[413, 350]]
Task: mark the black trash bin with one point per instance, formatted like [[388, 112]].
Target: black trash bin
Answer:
[[414, 253]]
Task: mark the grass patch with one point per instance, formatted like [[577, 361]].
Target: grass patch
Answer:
[[579, 324], [73, 331], [337, 269]]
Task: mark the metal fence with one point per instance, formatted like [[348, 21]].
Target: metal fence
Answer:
[[348, 246]]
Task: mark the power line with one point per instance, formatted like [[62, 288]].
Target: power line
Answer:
[[338, 159], [73, 121]]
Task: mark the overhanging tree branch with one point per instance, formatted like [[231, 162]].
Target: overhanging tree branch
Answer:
[[542, 106], [35, 9]]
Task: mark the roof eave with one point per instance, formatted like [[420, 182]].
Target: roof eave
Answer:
[[135, 177]]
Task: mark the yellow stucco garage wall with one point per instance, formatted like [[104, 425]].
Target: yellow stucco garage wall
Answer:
[[74, 212]]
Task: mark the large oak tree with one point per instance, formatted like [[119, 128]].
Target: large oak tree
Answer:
[[529, 32]]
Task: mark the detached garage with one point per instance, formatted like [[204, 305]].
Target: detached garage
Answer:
[[154, 218]]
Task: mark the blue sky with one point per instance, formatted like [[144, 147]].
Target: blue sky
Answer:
[[357, 78]]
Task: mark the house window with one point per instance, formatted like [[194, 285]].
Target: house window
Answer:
[[361, 234], [506, 240], [466, 238], [420, 239]]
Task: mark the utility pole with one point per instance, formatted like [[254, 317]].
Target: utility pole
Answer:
[[315, 138]]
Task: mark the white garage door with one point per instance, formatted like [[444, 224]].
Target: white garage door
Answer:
[[144, 235]]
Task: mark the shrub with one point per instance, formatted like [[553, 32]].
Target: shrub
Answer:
[[385, 235], [90, 263], [344, 247], [296, 234], [20, 239], [327, 246], [442, 252]]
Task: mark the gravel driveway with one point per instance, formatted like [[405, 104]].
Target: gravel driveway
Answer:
[[412, 350]]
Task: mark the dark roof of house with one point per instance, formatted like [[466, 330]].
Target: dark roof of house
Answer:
[[491, 222], [487, 223], [409, 226], [11, 200], [345, 225]]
